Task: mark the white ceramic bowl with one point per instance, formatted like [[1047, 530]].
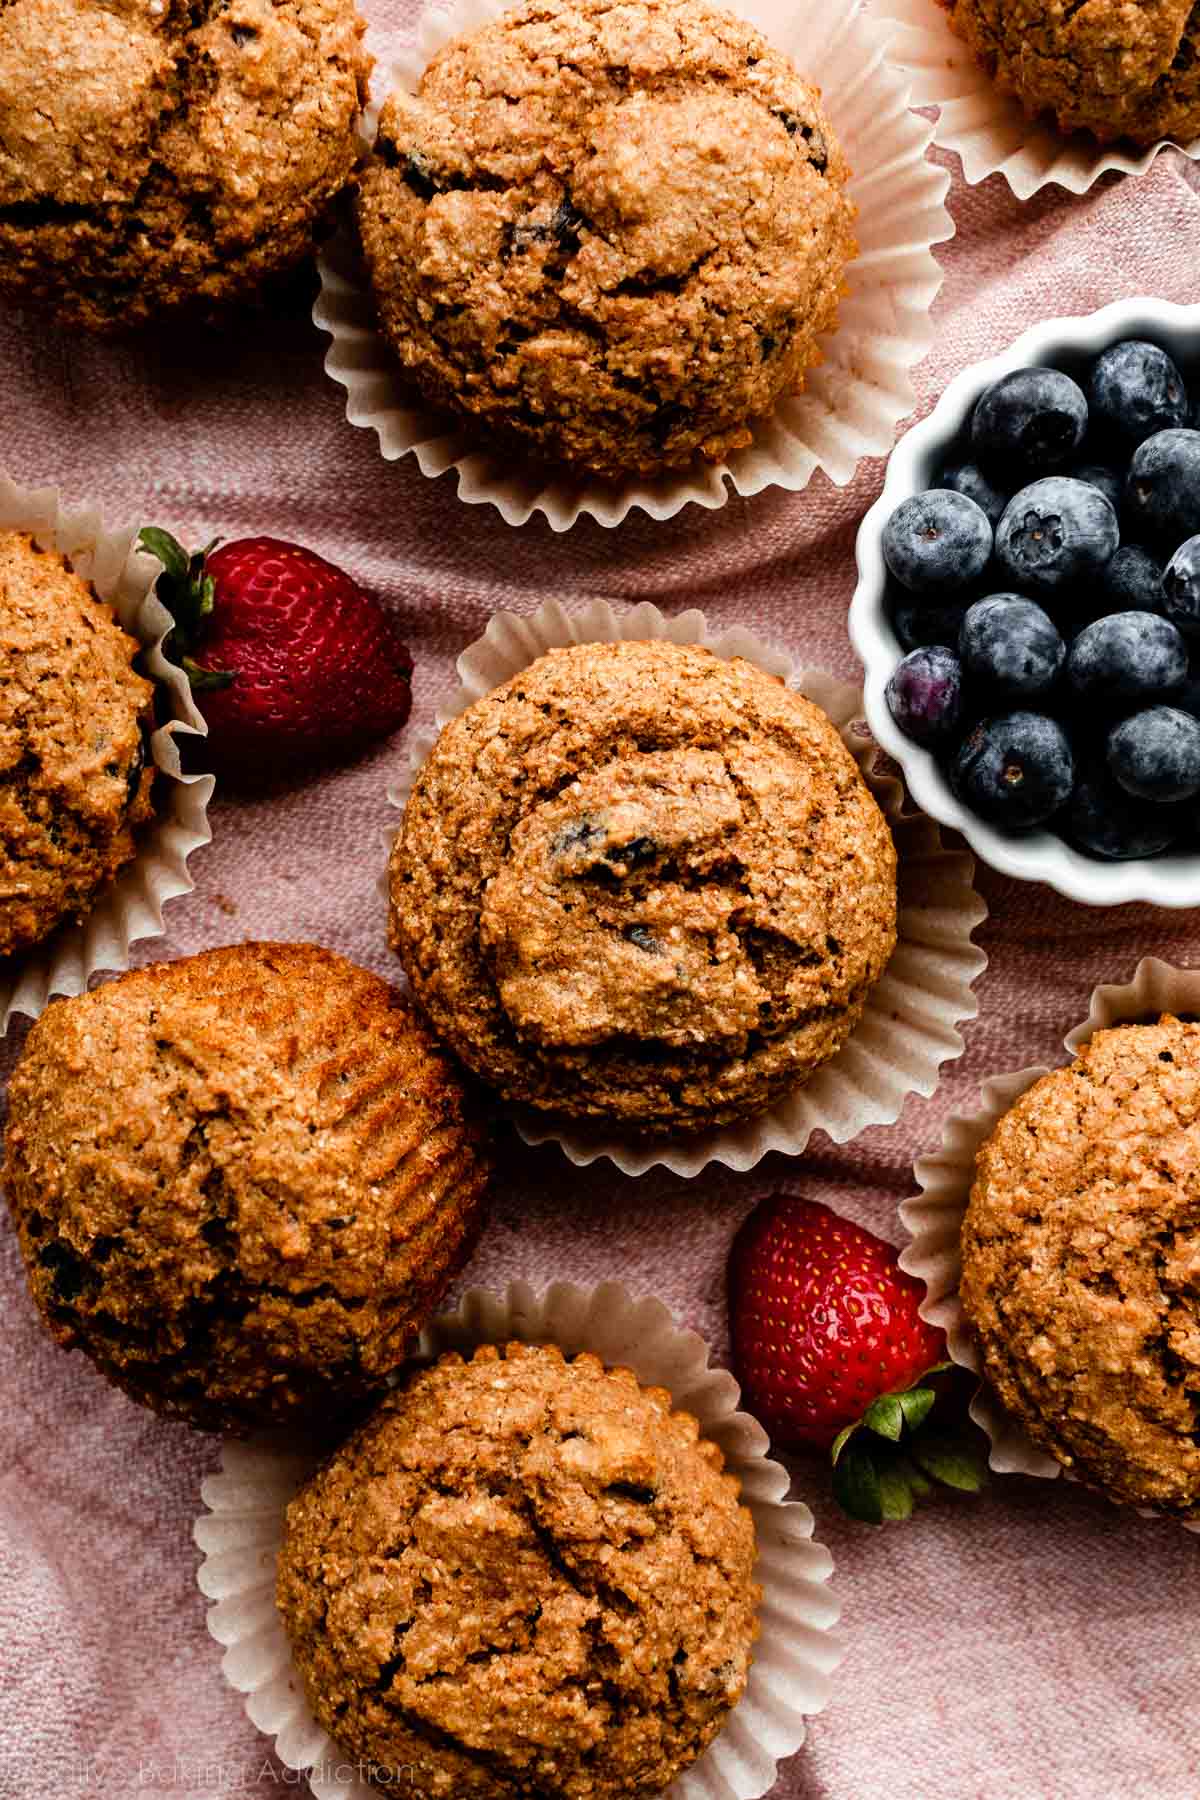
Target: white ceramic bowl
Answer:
[[916, 461]]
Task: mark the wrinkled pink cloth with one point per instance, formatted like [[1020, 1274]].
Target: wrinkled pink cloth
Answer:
[[1034, 1644]]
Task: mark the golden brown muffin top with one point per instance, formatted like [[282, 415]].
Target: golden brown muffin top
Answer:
[[643, 884], [524, 1575], [1081, 1263], [609, 233], [241, 1181], [1107, 67], [75, 781], [161, 155]]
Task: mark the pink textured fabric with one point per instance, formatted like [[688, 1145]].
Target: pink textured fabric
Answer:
[[1032, 1645]]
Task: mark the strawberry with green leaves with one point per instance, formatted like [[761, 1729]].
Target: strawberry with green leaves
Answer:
[[290, 660], [830, 1350]]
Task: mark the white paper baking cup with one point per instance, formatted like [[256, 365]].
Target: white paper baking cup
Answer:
[[909, 1027], [852, 402], [987, 130], [131, 907], [934, 1217], [794, 1658]]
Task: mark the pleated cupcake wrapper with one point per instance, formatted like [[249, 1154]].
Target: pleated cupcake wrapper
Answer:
[[852, 402], [131, 908], [795, 1656], [909, 1027], [989, 131], [934, 1218]]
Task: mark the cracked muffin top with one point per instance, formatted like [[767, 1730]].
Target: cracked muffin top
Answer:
[[1107, 67], [1081, 1264], [523, 1576], [241, 1181], [75, 781], [165, 154], [609, 233], [641, 884]]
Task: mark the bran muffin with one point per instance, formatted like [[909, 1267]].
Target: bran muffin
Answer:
[[643, 885], [76, 783], [157, 155], [1081, 1264], [241, 1181], [523, 1576], [1108, 68], [610, 235]]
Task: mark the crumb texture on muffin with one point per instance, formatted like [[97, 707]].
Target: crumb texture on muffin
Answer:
[[76, 782], [1107, 67], [640, 883], [523, 1576], [241, 1181], [178, 155], [1081, 1264], [610, 233]]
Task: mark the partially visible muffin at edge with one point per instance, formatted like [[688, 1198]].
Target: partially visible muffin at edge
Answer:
[[242, 1181], [524, 1575], [1081, 1264], [1108, 68], [611, 236], [643, 886], [173, 158], [76, 782]]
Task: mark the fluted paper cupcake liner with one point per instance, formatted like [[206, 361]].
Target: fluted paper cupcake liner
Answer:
[[934, 1218], [989, 131], [796, 1653], [131, 907], [852, 402], [909, 1027]]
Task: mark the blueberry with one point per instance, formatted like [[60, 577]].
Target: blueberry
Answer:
[[1056, 532], [1111, 482], [969, 479], [937, 542], [1127, 656], [1033, 419], [576, 834], [1162, 489], [1107, 822], [566, 226], [1181, 586], [631, 854], [1135, 390], [1014, 771], [1011, 646], [919, 626], [1131, 582], [1155, 755], [924, 695]]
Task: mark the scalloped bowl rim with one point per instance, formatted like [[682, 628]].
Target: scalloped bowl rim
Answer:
[[1171, 881]]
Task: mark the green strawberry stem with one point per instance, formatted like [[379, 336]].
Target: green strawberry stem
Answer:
[[187, 591], [899, 1453]]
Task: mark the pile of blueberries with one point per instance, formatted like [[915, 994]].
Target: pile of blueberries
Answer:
[[1047, 592]]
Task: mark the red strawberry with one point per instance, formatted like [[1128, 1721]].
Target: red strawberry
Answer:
[[289, 659], [830, 1350]]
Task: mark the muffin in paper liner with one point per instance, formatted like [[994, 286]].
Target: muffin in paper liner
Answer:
[[853, 400], [794, 1658], [909, 1026], [934, 1218], [131, 907], [989, 131]]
